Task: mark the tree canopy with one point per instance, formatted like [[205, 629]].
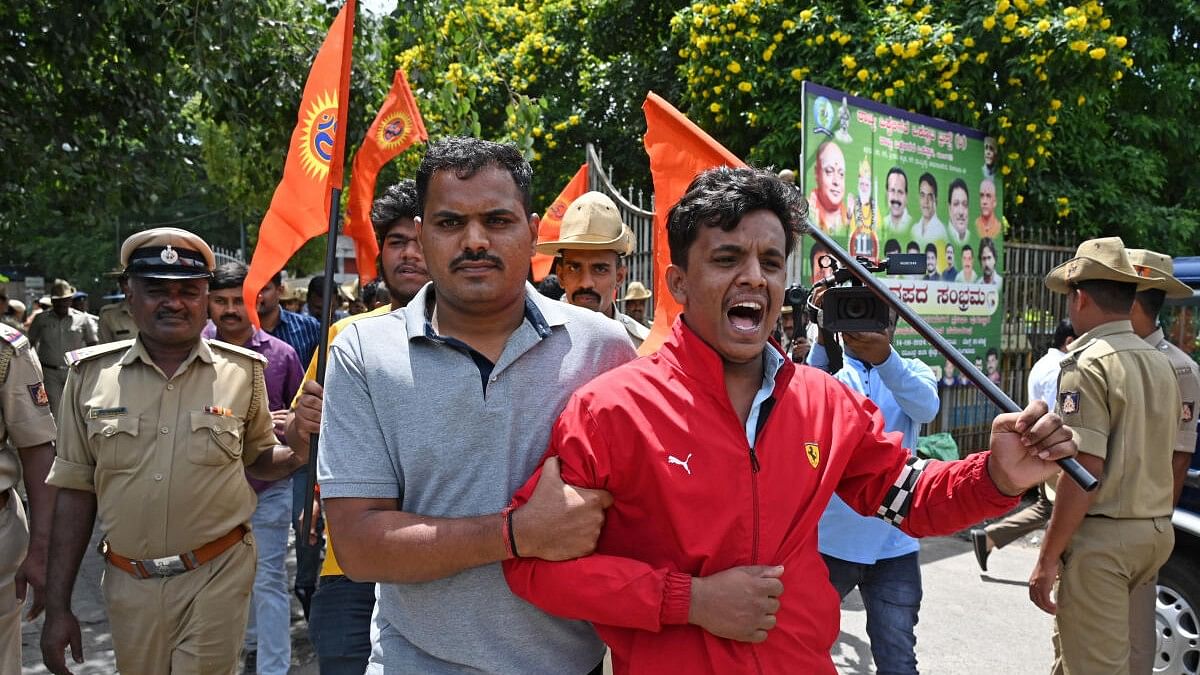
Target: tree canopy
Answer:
[[116, 115]]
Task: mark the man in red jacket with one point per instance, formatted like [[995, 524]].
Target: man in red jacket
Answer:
[[721, 455]]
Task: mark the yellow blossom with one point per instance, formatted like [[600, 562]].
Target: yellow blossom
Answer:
[[880, 50], [1117, 75], [1030, 161], [968, 42], [552, 144], [537, 131], [745, 86], [1043, 25], [787, 24], [1010, 20], [862, 74], [1001, 140], [924, 30], [889, 92], [1002, 6], [1098, 53], [734, 67], [1005, 170], [1081, 100], [1013, 155], [1119, 41], [1031, 127], [805, 15], [719, 89], [1071, 11], [778, 37], [537, 156], [897, 48], [982, 57], [1055, 104], [989, 22], [1079, 46], [1105, 23], [820, 39], [1020, 199], [953, 96], [715, 107], [561, 126], [899, 84], [843, 39], [848, 62], [797, 74], [937, 103], [948, 38]]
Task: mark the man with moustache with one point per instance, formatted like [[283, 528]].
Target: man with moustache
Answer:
[[987, 257], [721, 455], [437, 412], [591, 248], [155, 437], [987, 224], [960, 208], [898, 218], [967, 274], [951, 272], [268, 643], [340, 620], [826, 207]]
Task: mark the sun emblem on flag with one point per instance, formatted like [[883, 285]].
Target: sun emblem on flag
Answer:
[[394, 130], [320, 132]]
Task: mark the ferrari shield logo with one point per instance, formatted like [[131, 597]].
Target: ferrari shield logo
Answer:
[[813, 452], [1068, 402]]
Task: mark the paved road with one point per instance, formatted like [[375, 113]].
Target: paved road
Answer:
[[970, 622]]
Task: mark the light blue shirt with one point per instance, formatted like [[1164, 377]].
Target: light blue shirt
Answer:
[[905, 391], [772, 362]]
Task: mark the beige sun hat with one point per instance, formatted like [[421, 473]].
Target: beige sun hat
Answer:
[[1154, 264], [61, 289], [1102, 258], [637, 291], [591, 223]]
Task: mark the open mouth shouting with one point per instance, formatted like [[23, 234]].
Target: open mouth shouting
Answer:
[[746, 316]]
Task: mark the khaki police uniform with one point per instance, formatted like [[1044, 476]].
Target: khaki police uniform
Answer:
[[1106, 381], [54, 336], [637, 332], [25, 422], [165, 457], [116, 322]]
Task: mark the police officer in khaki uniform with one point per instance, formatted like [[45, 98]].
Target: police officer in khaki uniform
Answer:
[[1102, 545], [25, 422], [153, 436], [1146, 308], [116, 321], [56, 332], [592, 245]]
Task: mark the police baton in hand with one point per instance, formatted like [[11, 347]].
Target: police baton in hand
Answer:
[[1069, 465]]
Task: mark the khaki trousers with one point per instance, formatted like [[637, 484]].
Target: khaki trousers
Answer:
[[1142, 628], [1105, 563], [14, 542], [189, 624], [1035, 516], [54, 379]]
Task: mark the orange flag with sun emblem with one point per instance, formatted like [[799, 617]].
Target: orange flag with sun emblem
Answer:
[[679, 151], [397, 126], [314, 167], [552, 221]]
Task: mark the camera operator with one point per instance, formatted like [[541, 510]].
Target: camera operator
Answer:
[[866, 552]]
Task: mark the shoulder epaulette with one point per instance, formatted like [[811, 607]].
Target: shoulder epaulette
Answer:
[[78, 355], [110, 307], [250, 353], [13, 337]]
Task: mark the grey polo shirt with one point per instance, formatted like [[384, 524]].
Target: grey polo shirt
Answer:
[[408, 417]]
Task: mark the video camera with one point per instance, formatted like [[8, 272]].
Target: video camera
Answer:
[[853, 308]]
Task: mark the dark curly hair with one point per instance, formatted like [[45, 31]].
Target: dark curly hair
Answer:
[[721, 197], [398, 201], [466, 156]]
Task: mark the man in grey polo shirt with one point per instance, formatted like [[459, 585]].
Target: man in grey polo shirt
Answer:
[[436, 413]]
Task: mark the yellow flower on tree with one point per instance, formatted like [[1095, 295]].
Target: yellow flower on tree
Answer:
[[1010, 20], [715, 107], [734, 67], [889, 92], [948, 38], [1020, 199], [1005, 170], [745, 86], [1002, 6], [848, 62], [862, 74], [1055, 104], [1098, 53], [989, 22], [797, 74], [968, 42], [924, 30]]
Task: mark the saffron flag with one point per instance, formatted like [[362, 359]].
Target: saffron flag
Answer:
[[679, 151], [552, 220], [314, 167], [397, 126]]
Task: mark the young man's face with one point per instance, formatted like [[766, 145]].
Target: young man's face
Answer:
[[930, 262], [949, 256], [897, 190], [831, 176], [960, 206], [987, 198], [227, 310], [268, 299], [400, 259], [968, 262], [993, 363], [989, 261], [928, 200], [732, 289], [477, 239], [591, 279]]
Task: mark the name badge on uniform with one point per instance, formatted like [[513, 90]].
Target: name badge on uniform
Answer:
[[98, 413], [38, 393], [1068, 402], [218, 411]]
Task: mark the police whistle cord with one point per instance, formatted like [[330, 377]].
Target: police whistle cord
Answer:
[[322, 350], [1069, 465]]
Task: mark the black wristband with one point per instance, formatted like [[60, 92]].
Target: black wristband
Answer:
[[512, 536]]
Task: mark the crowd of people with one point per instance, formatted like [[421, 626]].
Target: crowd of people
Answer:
[[504, 487]]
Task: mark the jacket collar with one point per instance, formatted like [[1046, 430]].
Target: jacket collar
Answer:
[[690, 354]]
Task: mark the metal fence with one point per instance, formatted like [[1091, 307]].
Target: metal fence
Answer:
[[1031, 311]]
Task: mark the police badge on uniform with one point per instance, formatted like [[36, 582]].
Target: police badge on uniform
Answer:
[[1189, 411], [38, 393], [1068, 402]]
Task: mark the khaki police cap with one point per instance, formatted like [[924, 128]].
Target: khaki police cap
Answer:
[[591, 223], [1154, 264], [1096, 259], [61, 289], [637, 291], [167, 253]]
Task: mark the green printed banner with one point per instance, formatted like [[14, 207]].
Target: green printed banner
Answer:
[[880, 180]]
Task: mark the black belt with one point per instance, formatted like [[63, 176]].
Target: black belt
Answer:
[[44, 366]]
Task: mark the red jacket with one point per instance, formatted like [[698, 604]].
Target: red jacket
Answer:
[[728, 506]]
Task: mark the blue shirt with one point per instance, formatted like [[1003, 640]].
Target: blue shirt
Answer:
[[772, 362], [301, 331], [905, 391]]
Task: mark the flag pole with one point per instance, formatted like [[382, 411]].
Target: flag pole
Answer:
[[322, 348]]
